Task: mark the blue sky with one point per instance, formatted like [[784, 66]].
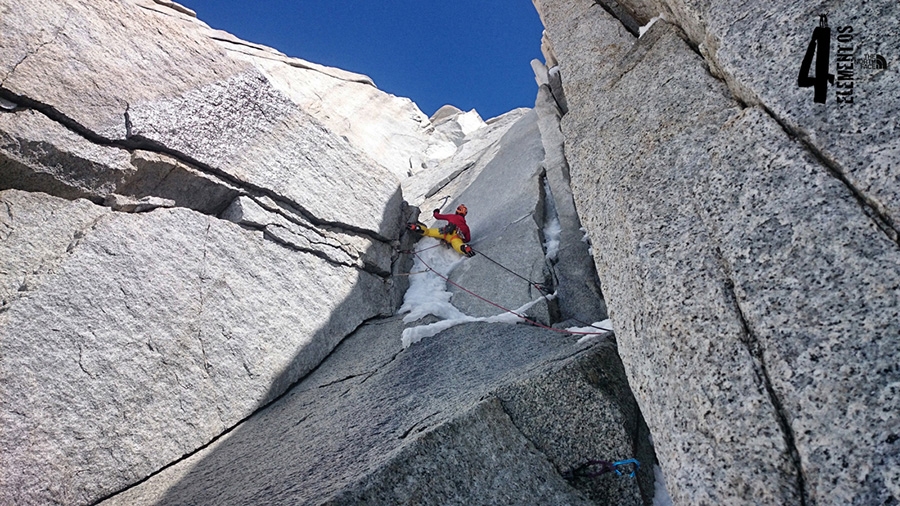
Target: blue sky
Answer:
[[469, 53]]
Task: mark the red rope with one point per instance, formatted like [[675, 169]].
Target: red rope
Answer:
[[535, 323]]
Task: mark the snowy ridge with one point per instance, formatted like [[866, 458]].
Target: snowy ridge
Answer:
[[428, 295]]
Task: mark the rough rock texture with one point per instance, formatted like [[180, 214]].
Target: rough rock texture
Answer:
[[129, 340], [580, 297], [329, 243], [458, 420], [505, 225], [148, 335], [190, 224], [751, 277], [502, 172], [184, 96], [757, 49], [39, 154], [36, 234], [390, 130]]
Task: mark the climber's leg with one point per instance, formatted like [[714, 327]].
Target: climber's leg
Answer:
[[432, 232]]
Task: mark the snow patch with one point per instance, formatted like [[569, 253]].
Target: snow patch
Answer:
[[470, 122], [552, 227], [596, 329], [413, 335], [427, 294], [552, 231], [650, 23], [661, 494]]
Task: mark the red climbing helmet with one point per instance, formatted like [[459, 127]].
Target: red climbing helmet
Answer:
[[462, 209]]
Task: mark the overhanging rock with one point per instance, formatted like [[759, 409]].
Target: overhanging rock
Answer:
[[182, 95]]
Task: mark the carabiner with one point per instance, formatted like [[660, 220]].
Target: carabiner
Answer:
[[623, 463]]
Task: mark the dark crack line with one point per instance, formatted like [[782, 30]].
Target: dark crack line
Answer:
[[367, 374], [618, 18], [382, 366], [79, 234], [534, 445], [267, 54], [420, 425], [754, 348], [81, 362], [174, 7], [320, 239], [203, 277], [243, 43], [8, 229], [284, 213], [324, 256], [882, 220], [16, 66], [38, 49], [139, 142], [449, 179], [240, 422], [162, 181]]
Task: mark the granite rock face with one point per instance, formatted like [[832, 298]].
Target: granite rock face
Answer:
[[757, 49], [745, 241], [181, 95], [512, 176], [144, 310], [200, 257], [136, 338], [433, 424]]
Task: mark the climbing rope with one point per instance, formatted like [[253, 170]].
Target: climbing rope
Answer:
[[535, 284], [594, 468], [522, 317], [532, 283]]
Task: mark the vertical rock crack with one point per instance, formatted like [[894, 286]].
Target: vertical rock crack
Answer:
[[754, 348]]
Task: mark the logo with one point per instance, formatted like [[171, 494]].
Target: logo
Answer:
[[872, 62], [847, 64], [820, 47]]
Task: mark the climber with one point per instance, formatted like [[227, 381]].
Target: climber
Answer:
[[455, 233]]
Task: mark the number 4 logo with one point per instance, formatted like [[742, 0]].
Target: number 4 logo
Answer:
[[820, 45]]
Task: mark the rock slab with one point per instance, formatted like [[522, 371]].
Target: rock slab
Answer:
[[752, 285], [438, 423]]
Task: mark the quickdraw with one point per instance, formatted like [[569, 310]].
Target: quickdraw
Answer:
[[594, 468]]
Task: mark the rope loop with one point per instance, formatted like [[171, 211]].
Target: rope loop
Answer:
[[594, 468]]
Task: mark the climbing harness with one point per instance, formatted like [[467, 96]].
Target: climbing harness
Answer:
[[594, 468]]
